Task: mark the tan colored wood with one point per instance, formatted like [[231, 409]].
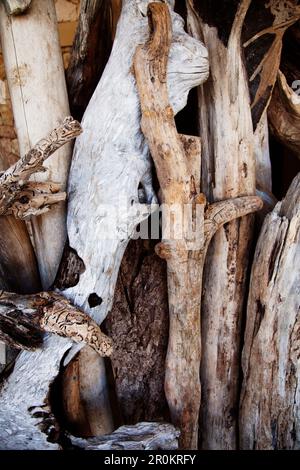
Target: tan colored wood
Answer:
[[35, 75], [24, 198], [178, 186], [284, 115]]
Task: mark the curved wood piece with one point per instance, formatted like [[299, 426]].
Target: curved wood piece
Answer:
[[284, 115], [179, 178]]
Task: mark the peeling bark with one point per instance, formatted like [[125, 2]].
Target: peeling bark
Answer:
[[270, 397]]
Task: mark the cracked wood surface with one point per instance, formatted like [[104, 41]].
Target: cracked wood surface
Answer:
[[270, 396]]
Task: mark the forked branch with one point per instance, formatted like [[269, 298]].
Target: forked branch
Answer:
[[178, 170], [24, 319]]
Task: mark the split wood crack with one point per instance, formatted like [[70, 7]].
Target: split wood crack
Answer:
[[24, 198], [178, 174]]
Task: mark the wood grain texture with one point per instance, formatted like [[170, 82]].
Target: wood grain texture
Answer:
[[142, 436], [177, 162], [284, 115], [16, 7], [23, 318], [123, 163], [270, 397], [35, 75], [23, 198], [91, 49]]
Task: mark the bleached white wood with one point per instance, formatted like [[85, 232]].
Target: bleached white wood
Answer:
[[111, 158], [35, 75]]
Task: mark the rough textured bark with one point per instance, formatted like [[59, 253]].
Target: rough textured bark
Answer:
[[35, 74], [270, 398], [284, 115], [16, 7], [91, 49]]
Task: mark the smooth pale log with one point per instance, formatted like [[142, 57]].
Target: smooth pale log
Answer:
[[35, 76], [228, 170], [284, 115], [270, 396]]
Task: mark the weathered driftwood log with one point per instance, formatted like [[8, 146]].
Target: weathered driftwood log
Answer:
[[91, 49], [179, 178], [120, 177], [227, 93], [284, 115], [24, 318], [122, 163], [16, 7], [35, 75], [142, 436], [270, 397], [24, 198]]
